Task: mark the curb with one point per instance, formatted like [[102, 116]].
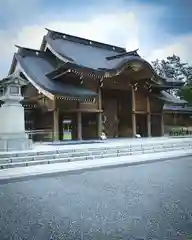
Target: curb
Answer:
[[109, 165]]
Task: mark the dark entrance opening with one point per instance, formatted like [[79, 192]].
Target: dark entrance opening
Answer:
[[141, 125], [155, 125], [89, 126], [125, 114]]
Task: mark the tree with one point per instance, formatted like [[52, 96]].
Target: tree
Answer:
[[186, 93], [172, 67]]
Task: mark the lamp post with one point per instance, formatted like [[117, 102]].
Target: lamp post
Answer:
[[12, 118]]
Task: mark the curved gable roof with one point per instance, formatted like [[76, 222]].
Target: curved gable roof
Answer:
[[88, 53], [81, 54], [35, 65], [97, 56]]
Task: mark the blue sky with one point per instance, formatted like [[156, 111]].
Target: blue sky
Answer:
[[157, 27]]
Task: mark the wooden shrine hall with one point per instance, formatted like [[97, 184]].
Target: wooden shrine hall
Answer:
[[85, 87]]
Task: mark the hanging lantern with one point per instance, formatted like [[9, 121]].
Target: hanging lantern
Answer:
[[81, 78], [149, 88], [101, 82], [135, 87]]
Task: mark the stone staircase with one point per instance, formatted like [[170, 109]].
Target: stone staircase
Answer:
[[31, 158]]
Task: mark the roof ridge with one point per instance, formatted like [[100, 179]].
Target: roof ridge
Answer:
[[127, 53], [23, 50], [88, 42], [28, 49]]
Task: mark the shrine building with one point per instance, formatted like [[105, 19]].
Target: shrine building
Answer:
[[80, 87]]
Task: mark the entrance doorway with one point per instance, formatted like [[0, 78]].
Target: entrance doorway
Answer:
[[89, 126], [141, 125], [156, 130], [110, 114], [67, 127]]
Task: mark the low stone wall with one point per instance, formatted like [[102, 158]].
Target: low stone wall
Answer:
[[176, 131]]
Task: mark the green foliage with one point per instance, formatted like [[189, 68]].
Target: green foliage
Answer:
[[172, 67], [186, 93]]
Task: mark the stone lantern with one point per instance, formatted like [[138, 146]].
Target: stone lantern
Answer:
[[12, 118]]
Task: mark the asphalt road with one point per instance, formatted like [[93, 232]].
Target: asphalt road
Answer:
[[151, 201]]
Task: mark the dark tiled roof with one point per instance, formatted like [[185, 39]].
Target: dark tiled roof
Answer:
[[35, 66], [97, 56], [80, 54], [163, 86], [90, 55], [84, 55], [69, 67], [170, 82], [174, 81], [178, 108], [90, 58], [166, 97], [120, 55], [85, 41]]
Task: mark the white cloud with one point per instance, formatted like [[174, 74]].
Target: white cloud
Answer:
[[7, 45], [110, 28], [114, 28], [122, 28], [180, 46]]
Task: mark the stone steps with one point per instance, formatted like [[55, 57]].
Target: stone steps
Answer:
[[12, 160], [88, 149], [35, 156]]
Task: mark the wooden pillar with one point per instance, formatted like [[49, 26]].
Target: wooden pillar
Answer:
[[61, 132], [134, 130], [99, 115], [56, 124], [148, 117], [79, 125], [175, 119], [162, 124]]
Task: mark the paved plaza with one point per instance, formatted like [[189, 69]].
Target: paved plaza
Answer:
[[149, 201]]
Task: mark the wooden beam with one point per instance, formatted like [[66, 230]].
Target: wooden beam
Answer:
[[79, 126], [148, 117], [61, 74], [82, 110], [99, 115], [162, 125], [155, 114], [134, 130], [79, 123], [55, 122], [140, 112]]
